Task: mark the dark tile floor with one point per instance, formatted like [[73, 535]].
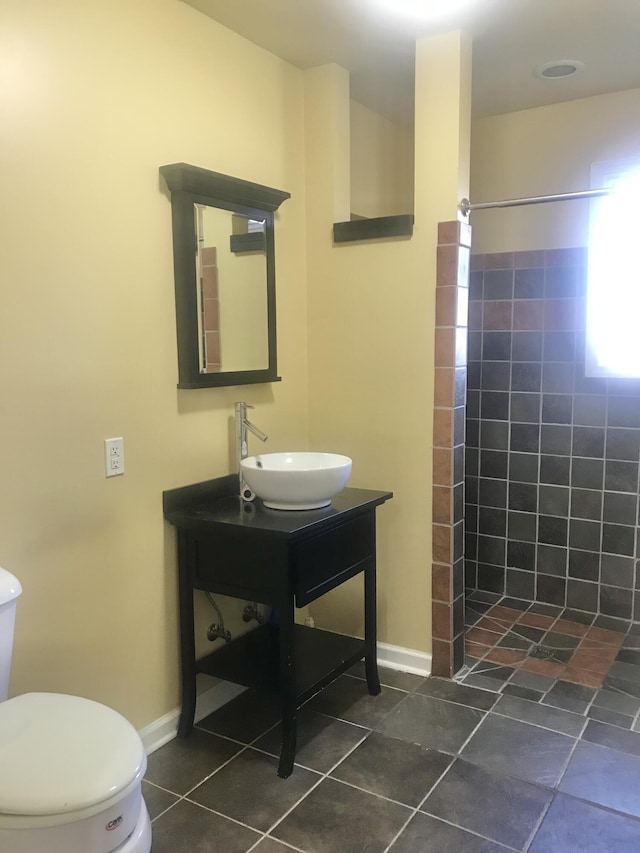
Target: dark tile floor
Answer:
[[429, 765]]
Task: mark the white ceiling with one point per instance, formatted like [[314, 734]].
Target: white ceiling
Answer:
[[510, 38]]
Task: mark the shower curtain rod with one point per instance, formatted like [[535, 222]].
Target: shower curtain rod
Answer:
[[466, 207]]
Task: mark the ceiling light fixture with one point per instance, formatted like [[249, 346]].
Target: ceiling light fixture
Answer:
[[558, 68], [423, 10]]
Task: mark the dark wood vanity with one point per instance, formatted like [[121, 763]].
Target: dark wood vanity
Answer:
[[285, 560]]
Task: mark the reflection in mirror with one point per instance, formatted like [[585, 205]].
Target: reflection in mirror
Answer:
[[231, 273], [224, 270]]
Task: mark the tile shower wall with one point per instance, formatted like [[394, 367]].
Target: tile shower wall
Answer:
[[552, 459]]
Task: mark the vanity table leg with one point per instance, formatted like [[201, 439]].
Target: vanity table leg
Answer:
[[370, 631], [187, 641], [288, 690], [288, 749]]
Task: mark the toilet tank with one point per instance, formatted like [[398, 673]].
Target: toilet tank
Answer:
[[10, 589]]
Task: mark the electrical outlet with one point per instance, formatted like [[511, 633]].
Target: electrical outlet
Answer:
[[114, 456]]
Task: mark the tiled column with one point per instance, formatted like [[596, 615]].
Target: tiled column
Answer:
[[452, 278]]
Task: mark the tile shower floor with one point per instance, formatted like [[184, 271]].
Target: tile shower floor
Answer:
[[501, 758], [561, 658]]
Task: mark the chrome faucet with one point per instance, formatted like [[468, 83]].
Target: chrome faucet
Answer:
[[242, 425]]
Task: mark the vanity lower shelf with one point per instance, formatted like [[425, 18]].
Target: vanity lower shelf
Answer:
[[254, 659]]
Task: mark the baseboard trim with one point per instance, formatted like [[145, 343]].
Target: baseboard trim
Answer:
[[405, 660], [165, 728]]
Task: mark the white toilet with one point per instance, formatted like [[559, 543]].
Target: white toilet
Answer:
[[70, 769]]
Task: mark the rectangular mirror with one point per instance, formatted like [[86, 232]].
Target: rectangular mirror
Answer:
[[224, 269], [231, 284]]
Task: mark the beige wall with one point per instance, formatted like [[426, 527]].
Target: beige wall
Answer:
[[545, 151], [371, 322], [94, 98], [381, 164]]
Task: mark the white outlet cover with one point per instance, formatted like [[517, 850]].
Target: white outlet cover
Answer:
[[114, 456]]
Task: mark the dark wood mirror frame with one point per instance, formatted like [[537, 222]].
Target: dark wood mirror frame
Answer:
[[191, 185]]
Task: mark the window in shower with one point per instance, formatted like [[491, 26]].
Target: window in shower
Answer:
[[613, 281]]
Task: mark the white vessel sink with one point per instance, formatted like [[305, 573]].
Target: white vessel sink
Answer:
[[296, 480]]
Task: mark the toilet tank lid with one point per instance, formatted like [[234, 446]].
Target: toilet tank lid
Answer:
[[9, 586]]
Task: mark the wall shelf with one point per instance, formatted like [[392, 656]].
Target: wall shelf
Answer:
[[373, 229], [251, 242]]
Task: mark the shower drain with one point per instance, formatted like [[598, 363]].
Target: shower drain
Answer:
[[542, 652]]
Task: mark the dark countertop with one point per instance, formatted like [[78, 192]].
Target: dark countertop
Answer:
[[202, 506]]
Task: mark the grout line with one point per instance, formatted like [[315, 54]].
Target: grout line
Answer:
[[245, 746], [436, 783], [279, 841], [167, 791], [485, 714], [208, 776], [242, 743], [540, 725], [501, 844], [225, 816], [401, 830], [368, 791], [417, 808], [348, 722], [168, 809], [420, 679], [322, 778], [601, 806], [203, 779], [313, 769], [539, 822]]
